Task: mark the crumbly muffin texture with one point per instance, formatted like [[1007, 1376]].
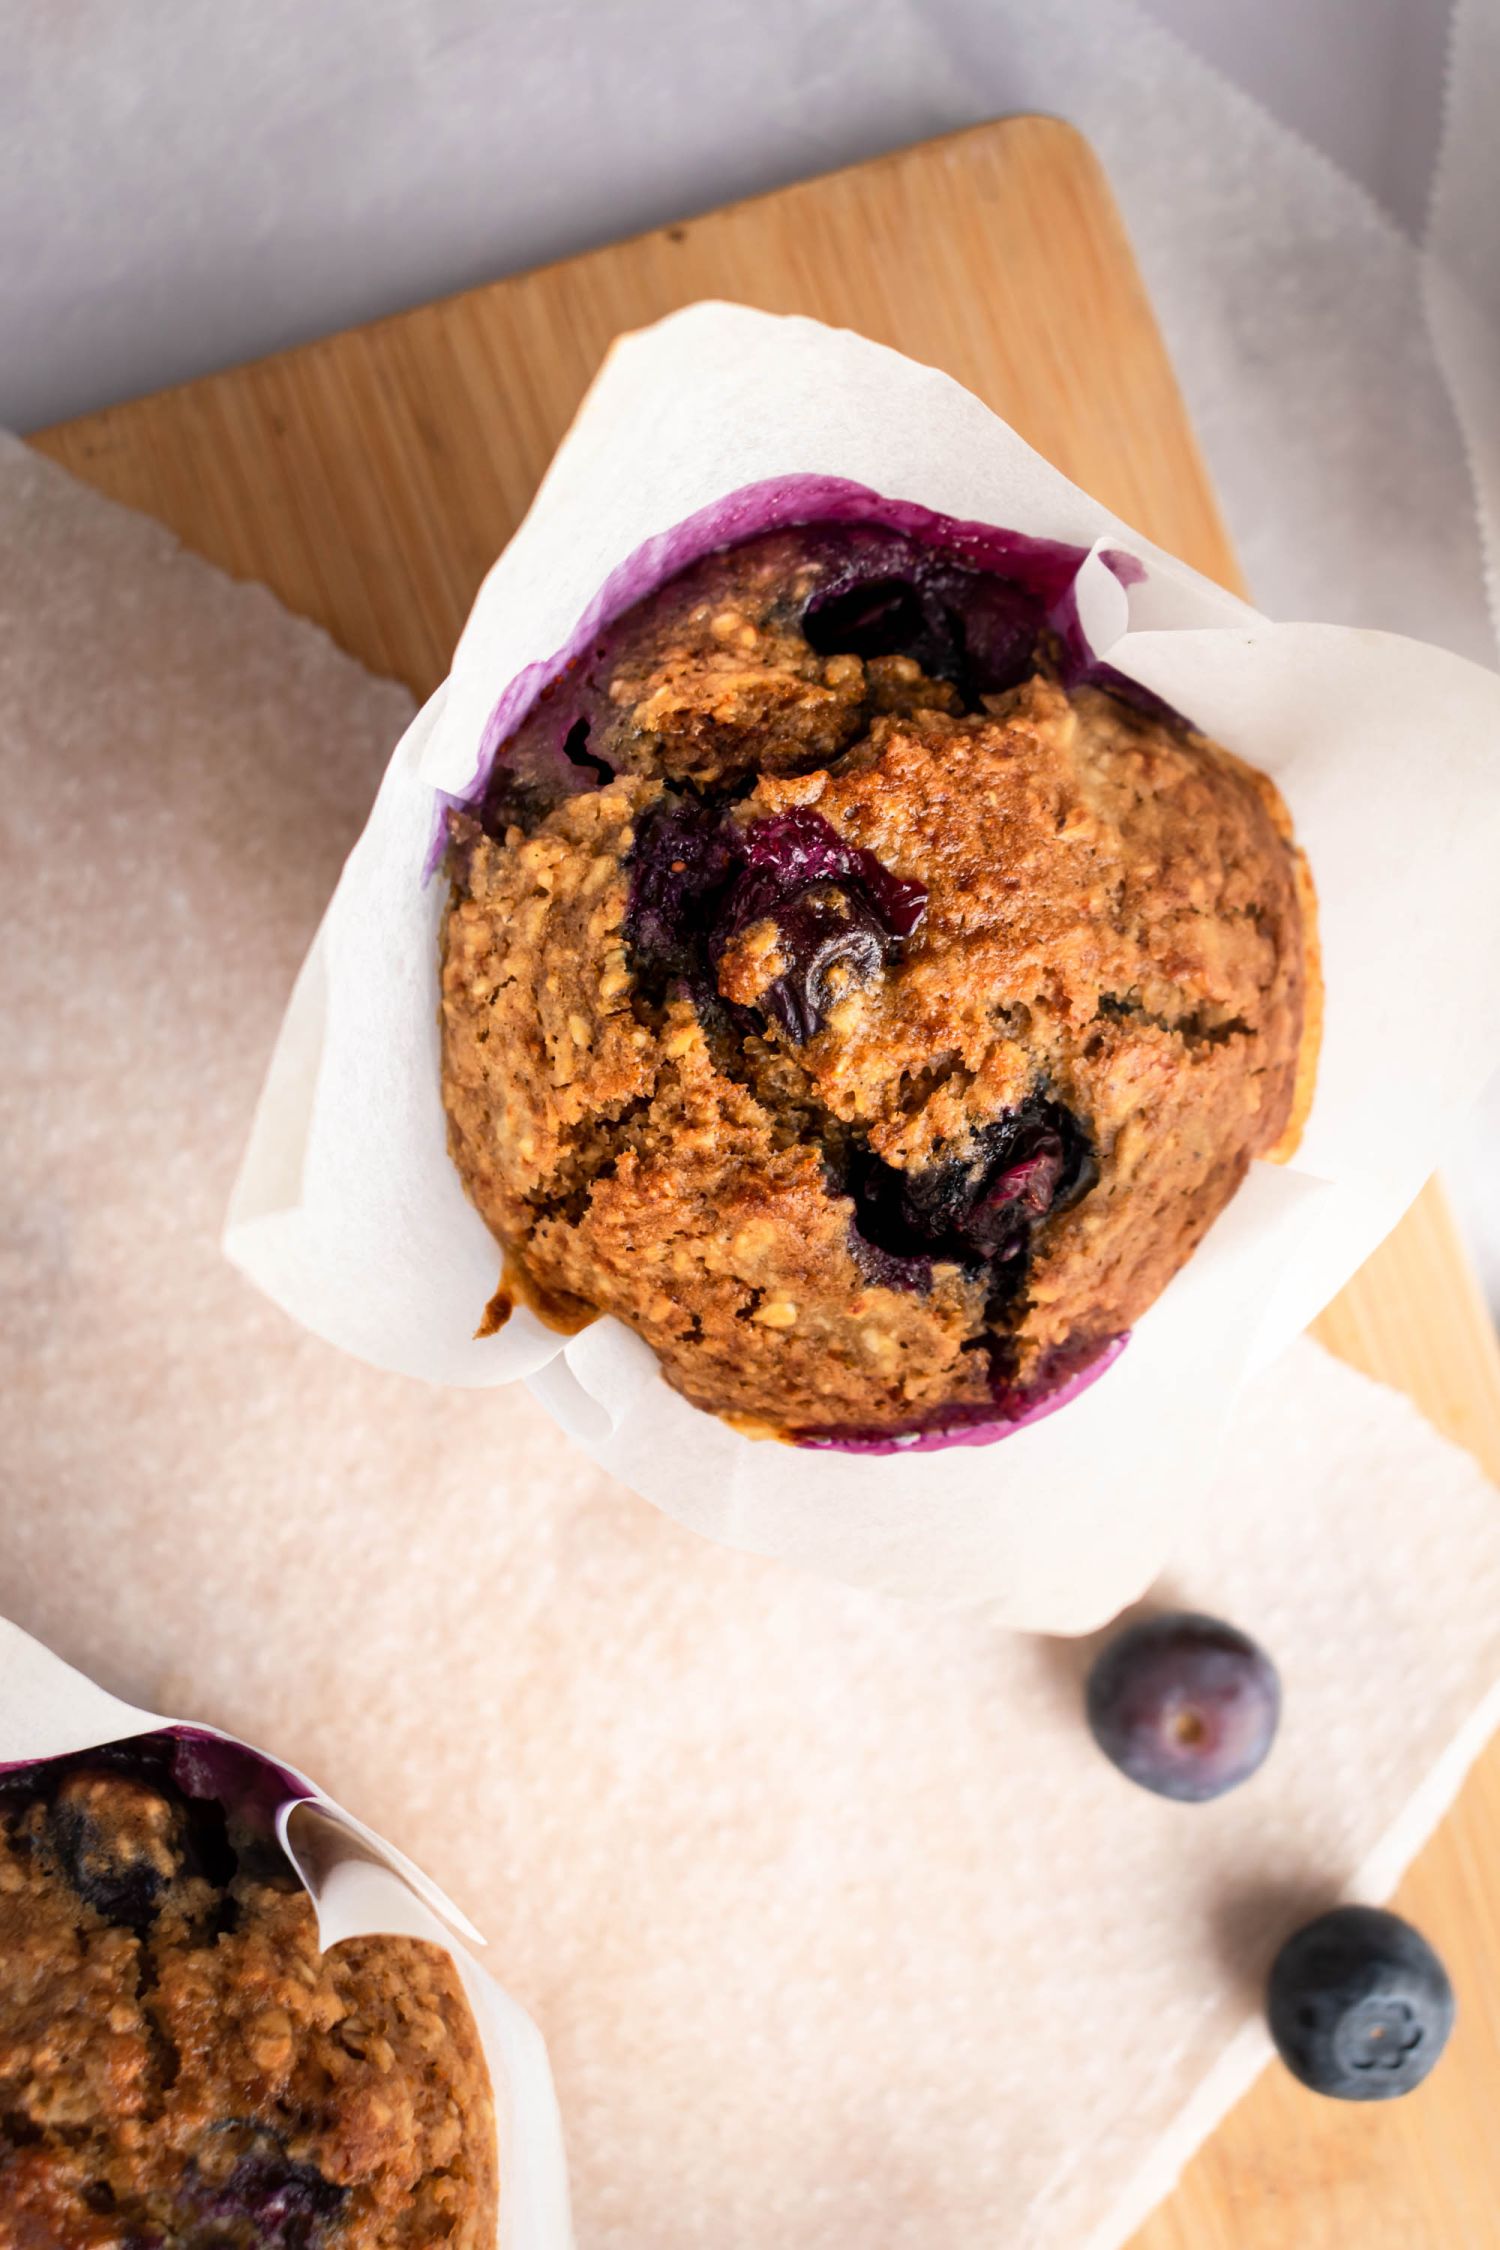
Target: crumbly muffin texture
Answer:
[[872, 1022], [181, 2069]]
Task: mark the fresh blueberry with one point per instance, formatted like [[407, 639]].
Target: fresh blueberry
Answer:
[[1359, 2005], [1184, 1705]]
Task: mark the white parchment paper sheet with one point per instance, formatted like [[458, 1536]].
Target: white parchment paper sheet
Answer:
[[810, 1892], [349, 1214], [360, 1886]]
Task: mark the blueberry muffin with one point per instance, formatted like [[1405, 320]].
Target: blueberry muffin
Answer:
[[860, 997], [182, 2069]]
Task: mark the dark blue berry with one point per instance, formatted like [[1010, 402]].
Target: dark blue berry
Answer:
[[982, 1207], [1185, 1705], [999, 628], [836, 909], [120, 1882], [788, 852], [684, 859], [1359, 2005], [831, 940], [267, 2201], [875, 617], [698, 879], [971, 627]]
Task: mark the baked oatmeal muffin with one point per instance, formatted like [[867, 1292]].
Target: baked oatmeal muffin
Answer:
[[181, 2068], [854, 995]]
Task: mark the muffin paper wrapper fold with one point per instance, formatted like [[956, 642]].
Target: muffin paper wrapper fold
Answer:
[[715, 423], [360, 1886]]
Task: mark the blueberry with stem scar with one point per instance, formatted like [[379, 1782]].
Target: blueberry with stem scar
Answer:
[[1359, 2005], [1185, 1705]]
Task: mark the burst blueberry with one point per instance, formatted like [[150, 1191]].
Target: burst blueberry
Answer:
[[984, 1205], [1185, 1705], [683, 862], [268, 2201], [787, 852], [972, 628], [839, 913], [833, 942]]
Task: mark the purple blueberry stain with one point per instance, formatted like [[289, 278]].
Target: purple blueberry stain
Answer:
[[1078, 1367], [547, 762], [1013, 585], [1184, 1705]]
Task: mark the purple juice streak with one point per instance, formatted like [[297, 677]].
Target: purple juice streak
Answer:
[[939, 1435], [788, 852], [1044, 569], [1128, 569], [202, 1766]]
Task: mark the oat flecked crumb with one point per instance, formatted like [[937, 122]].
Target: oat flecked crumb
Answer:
[[181, 2067], [842, 1171]]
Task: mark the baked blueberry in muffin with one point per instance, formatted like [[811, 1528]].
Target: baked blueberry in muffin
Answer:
[[858, 996], [180, 2067]]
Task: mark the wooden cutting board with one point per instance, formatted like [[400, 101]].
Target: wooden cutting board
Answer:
[[371, 479]]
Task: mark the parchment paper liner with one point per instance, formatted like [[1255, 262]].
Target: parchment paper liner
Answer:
[[348, 1213]]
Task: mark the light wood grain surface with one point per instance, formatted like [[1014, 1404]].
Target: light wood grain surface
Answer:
[[370, 480]]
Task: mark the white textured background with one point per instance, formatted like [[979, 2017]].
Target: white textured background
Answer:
[[841, 1933], [1313, 187]]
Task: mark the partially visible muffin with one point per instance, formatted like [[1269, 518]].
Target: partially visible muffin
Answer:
[[182, 2069], [864, 1006]]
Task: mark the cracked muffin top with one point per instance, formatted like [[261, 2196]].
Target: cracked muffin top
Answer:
[[870, 1019], [182, 2069]]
